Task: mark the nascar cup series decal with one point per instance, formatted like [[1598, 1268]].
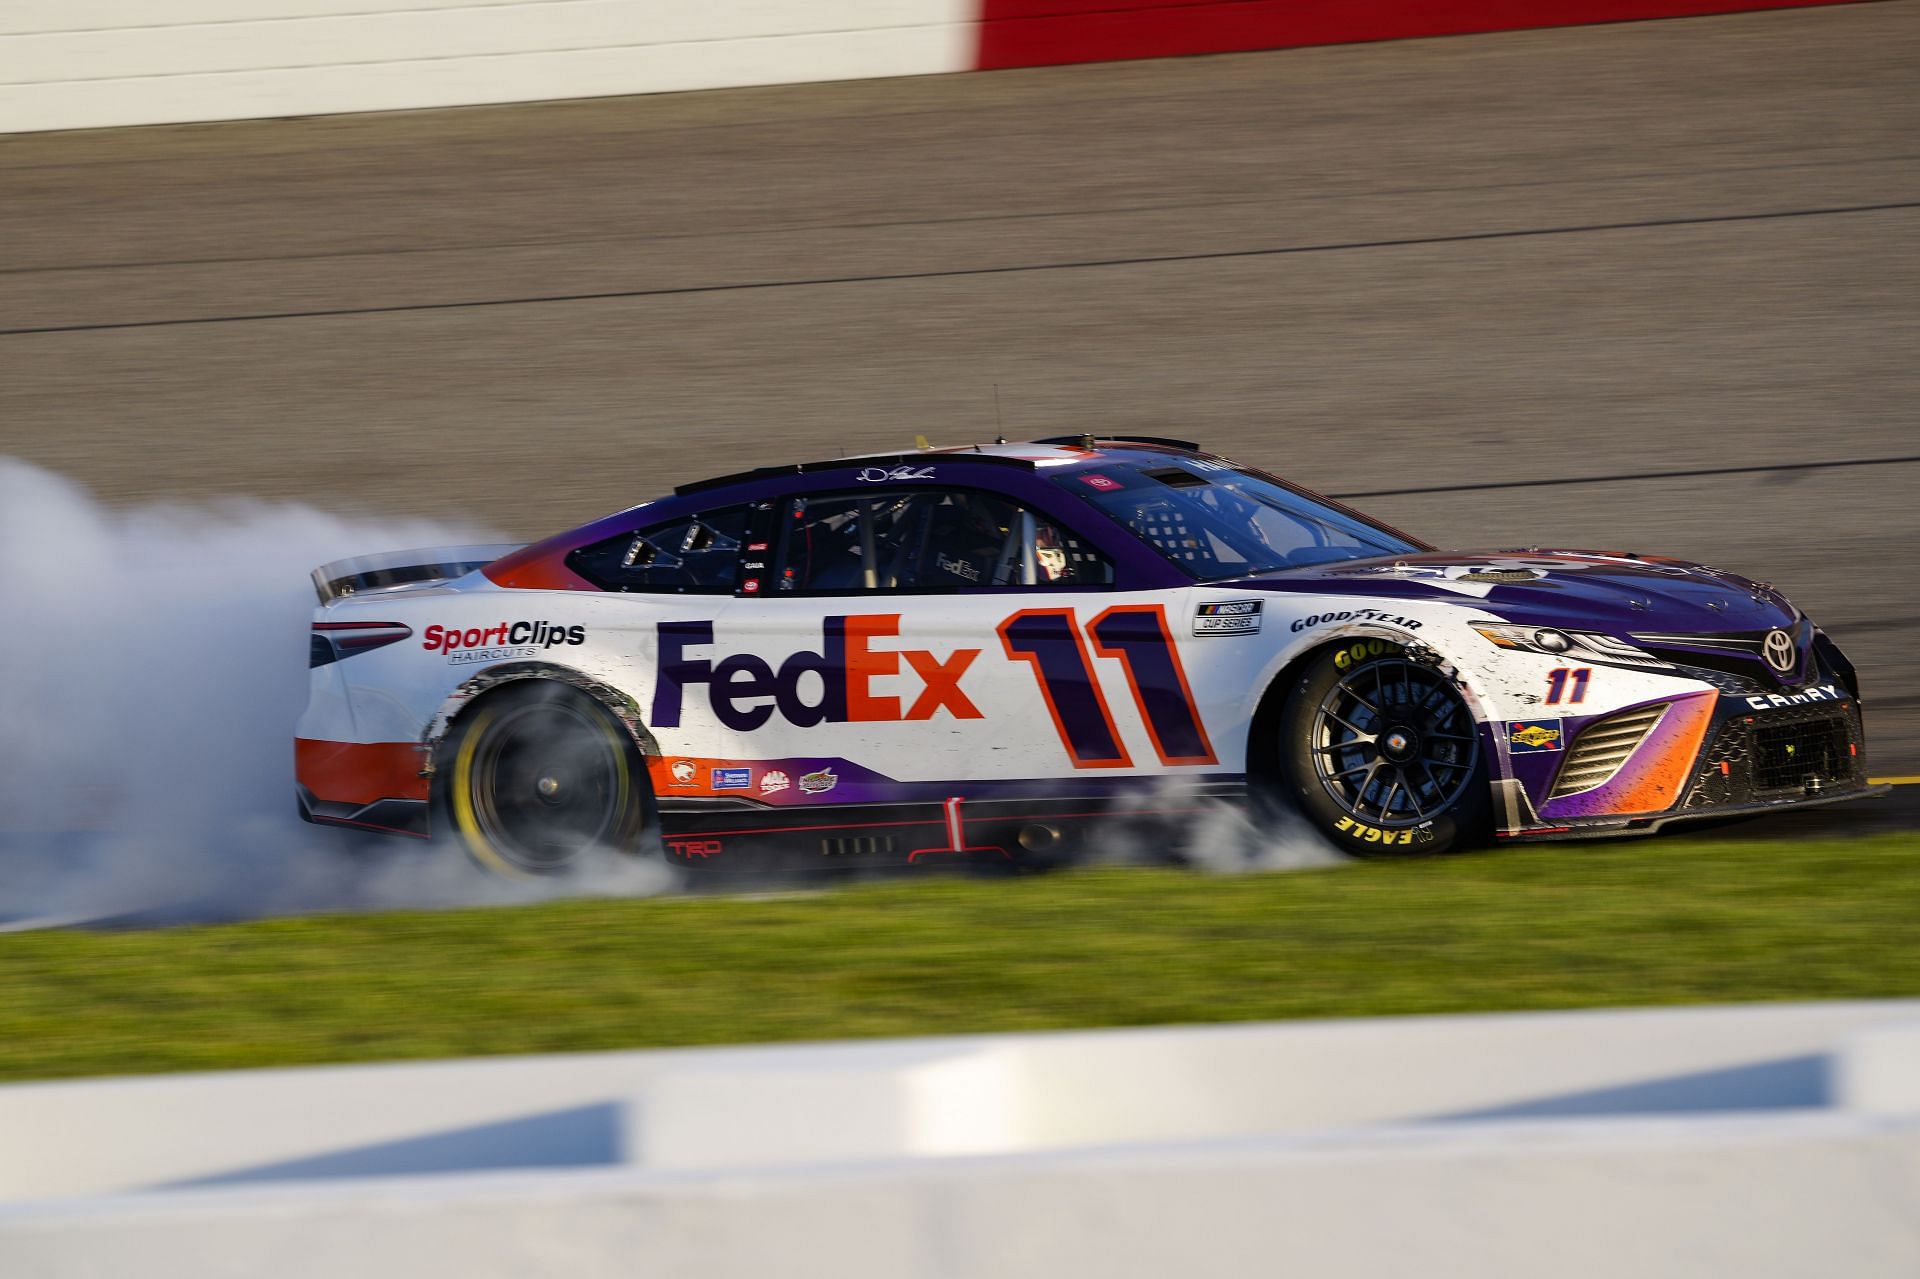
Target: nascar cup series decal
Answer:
[[1233, 617]]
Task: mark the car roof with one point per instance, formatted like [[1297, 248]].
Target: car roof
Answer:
[[1061, 451]]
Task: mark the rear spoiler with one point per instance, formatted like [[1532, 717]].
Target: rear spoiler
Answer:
[[402, 568]]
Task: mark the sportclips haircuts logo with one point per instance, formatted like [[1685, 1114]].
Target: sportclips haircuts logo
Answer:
[[500, 642], [745, 691]]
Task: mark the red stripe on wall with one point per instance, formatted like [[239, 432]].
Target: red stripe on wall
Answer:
[[1038, 33]]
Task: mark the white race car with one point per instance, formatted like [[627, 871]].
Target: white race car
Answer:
[[978, 652]]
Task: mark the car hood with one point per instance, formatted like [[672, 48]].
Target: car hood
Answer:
[[1594, 590]]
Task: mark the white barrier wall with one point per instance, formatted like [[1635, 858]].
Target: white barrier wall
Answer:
[[76, 64], [820, 1103], [1760, 1141]]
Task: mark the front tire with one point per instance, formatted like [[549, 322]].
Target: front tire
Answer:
[[539, 777], [1382, 754]]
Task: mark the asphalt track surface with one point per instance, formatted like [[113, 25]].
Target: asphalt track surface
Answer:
[[1446, 272]]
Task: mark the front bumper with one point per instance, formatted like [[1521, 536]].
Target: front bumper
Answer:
[[1750, 764], [1603, 827]]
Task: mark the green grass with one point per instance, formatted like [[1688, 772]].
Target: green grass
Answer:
[[1648, 922]]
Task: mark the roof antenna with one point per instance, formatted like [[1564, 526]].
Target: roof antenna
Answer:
[[1000, 437]]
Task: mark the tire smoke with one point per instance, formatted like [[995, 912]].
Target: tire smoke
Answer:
[[154, 665], [1215, 837]]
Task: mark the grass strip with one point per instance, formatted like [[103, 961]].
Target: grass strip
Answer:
[[1660, 921]]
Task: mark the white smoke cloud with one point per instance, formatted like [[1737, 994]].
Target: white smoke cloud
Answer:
[[1214, 836], [152, 665]]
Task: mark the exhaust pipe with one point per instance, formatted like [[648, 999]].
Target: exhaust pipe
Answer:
[[1039, 837]]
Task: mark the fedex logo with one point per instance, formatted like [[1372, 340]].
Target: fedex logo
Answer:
[[745, 690]]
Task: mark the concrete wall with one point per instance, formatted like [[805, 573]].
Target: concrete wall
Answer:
[[1764, 1140], [78, 64]]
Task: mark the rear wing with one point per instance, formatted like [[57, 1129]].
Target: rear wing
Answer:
[[402, 568]]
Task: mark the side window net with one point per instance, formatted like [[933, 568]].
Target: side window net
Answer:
[[1165, 528], [697, 555]]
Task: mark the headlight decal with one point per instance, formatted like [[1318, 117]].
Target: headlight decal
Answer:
[[1586, 646]]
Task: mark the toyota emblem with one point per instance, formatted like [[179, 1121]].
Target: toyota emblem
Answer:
[[1778, 649]]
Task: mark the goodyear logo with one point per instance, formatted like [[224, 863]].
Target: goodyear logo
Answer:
[[1531, 736], [1362, 650]]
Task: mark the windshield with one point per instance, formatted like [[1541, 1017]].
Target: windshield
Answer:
[[1217, 522]]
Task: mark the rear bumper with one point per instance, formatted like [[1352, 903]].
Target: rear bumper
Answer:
[[370, 785]]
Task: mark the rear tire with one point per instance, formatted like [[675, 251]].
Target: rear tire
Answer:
[[539, 777], [1382, 754]]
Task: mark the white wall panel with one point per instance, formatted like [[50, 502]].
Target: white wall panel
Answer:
[[411, 56], [99, 15]]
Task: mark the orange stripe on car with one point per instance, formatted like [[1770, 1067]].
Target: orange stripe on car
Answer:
[[360, 772]]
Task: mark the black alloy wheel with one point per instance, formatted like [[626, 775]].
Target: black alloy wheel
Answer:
[[1382, 753], [539, 777]]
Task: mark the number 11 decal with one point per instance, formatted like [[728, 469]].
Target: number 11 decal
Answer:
[[1560, 678], [1135, 635]]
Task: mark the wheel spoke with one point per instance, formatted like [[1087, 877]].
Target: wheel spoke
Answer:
[[1349, 725], [1419, 811], [1367, 781]]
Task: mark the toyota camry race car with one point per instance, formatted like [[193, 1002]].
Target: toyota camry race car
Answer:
[[976, 652]]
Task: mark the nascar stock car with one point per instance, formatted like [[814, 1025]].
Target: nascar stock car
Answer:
[[977, 652]]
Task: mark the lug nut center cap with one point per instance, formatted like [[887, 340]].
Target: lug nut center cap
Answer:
[[548, 787], [1399, 744]]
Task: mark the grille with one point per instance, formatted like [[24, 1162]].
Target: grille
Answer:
[[1735, 653], [1786, 755], [1749, 759], [1603, 748]]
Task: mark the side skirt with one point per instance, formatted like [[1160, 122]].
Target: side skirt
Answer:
[[955, 831]]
